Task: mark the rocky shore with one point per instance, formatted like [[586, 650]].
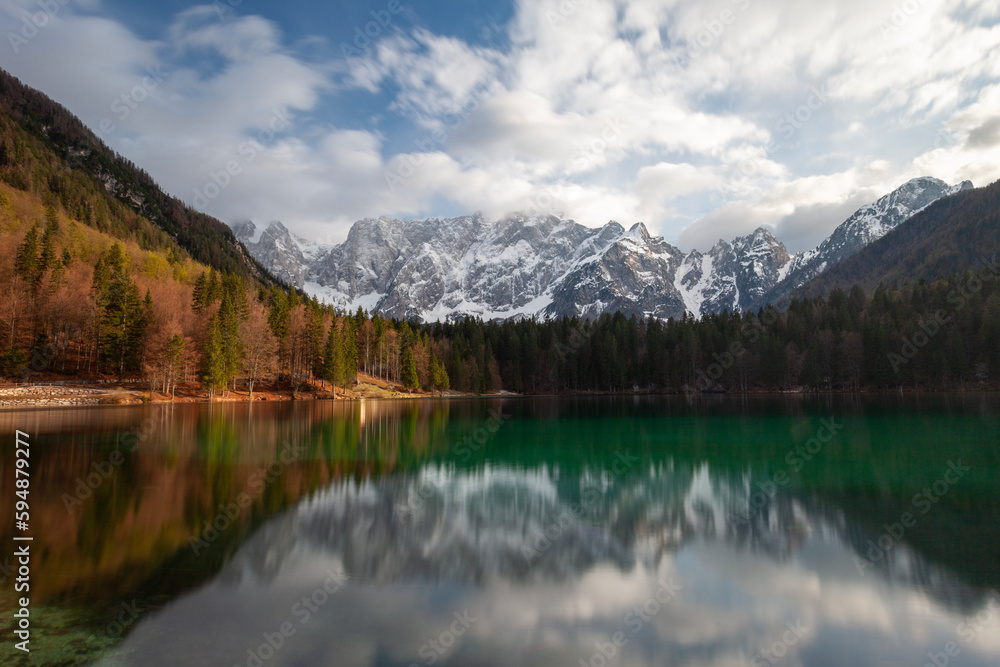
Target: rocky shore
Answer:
[[49, 396]]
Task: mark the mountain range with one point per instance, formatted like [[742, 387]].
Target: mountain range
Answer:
[[538, 266], [520, 266]]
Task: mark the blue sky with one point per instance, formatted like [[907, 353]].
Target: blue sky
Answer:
[[704, 119]]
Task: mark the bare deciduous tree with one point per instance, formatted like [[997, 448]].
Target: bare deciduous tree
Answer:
[[260, 349], [13, 301]]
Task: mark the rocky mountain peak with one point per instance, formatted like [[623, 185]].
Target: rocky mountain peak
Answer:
[[244, 229], [865, 226], [639, 232], [611, 230], [537, 265]]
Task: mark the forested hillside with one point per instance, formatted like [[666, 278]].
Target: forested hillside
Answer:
[[77, 302], [949, 236], [46, 151], [940, 334]]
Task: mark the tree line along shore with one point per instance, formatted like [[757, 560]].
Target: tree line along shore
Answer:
[[77, 304]]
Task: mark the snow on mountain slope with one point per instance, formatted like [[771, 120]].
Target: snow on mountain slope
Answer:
[[277, 249], [867, 225], [693, 279], [524, 266]]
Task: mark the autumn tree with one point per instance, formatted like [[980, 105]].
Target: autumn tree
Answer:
[[259, 347], [175, 363], [366, 345], [13, 298]]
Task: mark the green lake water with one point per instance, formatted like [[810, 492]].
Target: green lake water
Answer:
[[598, 531]]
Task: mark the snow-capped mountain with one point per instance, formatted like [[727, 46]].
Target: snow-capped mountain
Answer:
[[523, 266], [732, 276], [867, 225]]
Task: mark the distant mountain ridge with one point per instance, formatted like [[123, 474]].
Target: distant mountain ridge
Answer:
[[867, 225], [946, 238], [523, 266]]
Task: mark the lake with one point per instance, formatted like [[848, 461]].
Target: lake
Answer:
[[779, 530]]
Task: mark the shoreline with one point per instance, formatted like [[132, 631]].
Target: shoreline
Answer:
[[49, 396], [42, 395]]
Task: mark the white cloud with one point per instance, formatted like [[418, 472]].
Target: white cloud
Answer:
[[241, 39], [436, 75], [658, 184], [801, 212], [699, 119]]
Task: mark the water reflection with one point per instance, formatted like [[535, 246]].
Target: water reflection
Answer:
[[551, 538], [417, 548]]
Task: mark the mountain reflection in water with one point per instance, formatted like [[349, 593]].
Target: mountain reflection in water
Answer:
[[541, 546]]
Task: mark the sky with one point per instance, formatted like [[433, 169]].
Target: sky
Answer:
[[705, 120]]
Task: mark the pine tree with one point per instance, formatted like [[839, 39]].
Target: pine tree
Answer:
[[198, 293], [314, 338], [349, 345], [380, 328], [488, 380], [123, 314], [26, 263], [333, 359], [213, 362], [279, 318], [46, 259], [233, 285], [229, 338], [212, 292], [410, 379], [102, 273], [439, 376]]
